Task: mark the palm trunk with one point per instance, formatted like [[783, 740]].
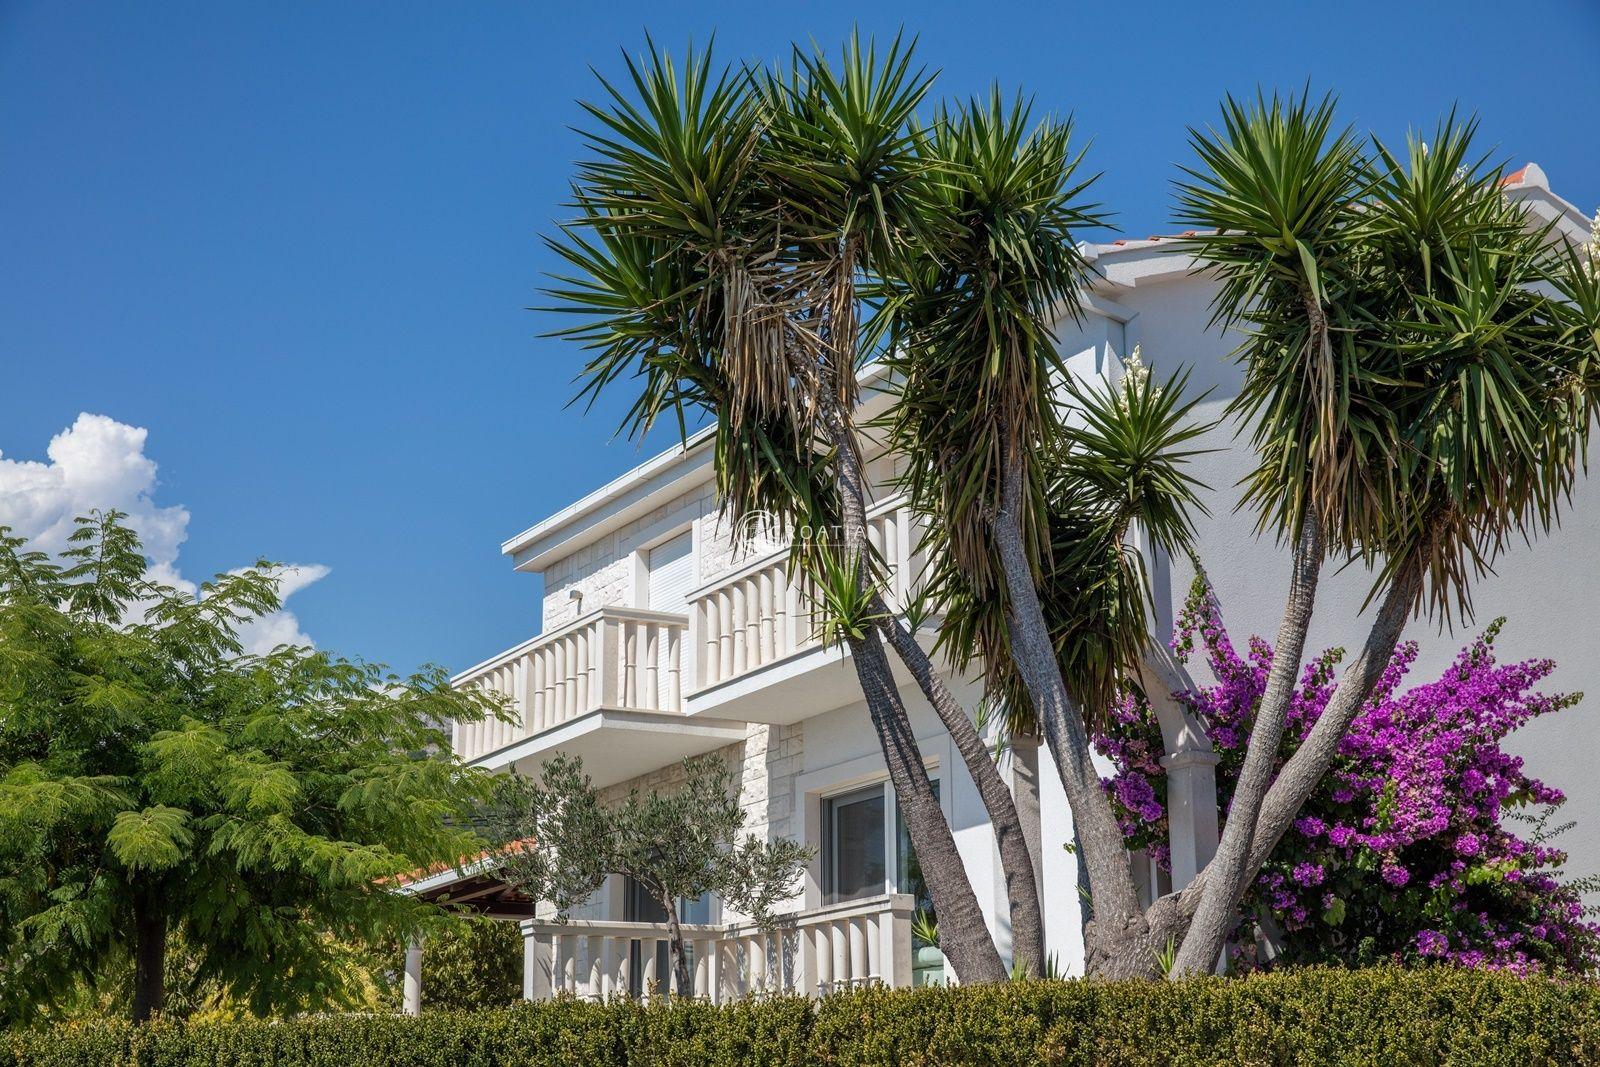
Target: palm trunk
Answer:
[[1025, 792], [1016, 857], [963, 935], [1102, 849], [149, 959], [1227, 875], [678, 959], [1300, 775], [1316, 753]]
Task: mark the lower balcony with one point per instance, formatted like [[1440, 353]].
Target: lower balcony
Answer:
[[812, 953], [606, 687]]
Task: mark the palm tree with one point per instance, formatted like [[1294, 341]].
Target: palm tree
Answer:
[[727, 220], [1414, 395], [1021, 501]]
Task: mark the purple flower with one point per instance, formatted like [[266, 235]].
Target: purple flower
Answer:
[[1310, 825], [1417, 793], [1432, 943], [1309, 874]]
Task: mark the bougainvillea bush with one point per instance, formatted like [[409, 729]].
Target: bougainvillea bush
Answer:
[[1406, 850]]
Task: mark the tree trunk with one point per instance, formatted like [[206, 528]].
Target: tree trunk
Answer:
[[1300, 775], [149, 959], [1315, 755], [963, 935], [678, 959], [1216, 916], [1016, 857], [1102, 849]]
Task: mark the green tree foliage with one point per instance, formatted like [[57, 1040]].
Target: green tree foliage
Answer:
[[678, 844], [473, 965], [157, 784]]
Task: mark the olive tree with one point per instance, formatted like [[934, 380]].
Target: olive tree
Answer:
[[559, 842]]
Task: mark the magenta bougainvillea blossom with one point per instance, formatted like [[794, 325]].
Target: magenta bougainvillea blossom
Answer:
[[1403, 852]]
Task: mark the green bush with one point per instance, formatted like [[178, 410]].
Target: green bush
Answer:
[[477, 965], [1438, 1016]]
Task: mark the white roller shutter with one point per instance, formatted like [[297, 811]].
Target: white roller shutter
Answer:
[[671, 566]]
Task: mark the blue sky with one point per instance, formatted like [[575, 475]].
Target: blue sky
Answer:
[[295, 242]]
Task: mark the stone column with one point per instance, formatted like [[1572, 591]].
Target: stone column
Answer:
[[1191, 767], [412, 1005], [1191, 811], [538, 961]]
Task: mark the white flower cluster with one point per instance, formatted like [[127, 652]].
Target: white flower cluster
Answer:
[[1135, 376], [1592, 249]]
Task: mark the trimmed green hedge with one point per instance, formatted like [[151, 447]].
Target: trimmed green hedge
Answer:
[[1309, 1017]]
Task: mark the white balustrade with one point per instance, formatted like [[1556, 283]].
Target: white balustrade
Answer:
[[760, 613], [609, 658], [815, 953]]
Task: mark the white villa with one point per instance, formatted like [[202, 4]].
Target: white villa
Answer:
[[659, 642]]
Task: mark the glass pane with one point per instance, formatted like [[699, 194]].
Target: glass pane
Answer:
[[641, 906], [696, 911], [858, 864]]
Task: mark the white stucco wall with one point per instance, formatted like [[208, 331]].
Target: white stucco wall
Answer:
[[1549, 592]]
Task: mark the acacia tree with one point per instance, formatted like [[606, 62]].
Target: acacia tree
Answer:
[[561, 842], [729, 223], [158, 785]]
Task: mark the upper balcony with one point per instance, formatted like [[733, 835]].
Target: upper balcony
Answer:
[[644, 688], [753, 632]]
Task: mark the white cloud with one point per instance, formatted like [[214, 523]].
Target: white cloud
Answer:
[[98, 462]]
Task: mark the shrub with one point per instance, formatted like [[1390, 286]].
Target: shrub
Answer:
[[1435, 1015], [1402, 852], [477, 964]]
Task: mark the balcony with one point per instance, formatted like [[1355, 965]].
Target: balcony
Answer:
[[645, 688], [606, 684], [753, 632], [813, 953]]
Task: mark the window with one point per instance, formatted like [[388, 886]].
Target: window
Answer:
[[670, 567], [862, 848], [857, 859], [908, 872]]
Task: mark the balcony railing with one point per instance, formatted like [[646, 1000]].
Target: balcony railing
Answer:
[[813, 953], [757, 615], [610, 658]]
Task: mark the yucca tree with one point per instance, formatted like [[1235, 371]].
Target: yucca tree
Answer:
[[1028, 512], [1416, 397], [727, 221]]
